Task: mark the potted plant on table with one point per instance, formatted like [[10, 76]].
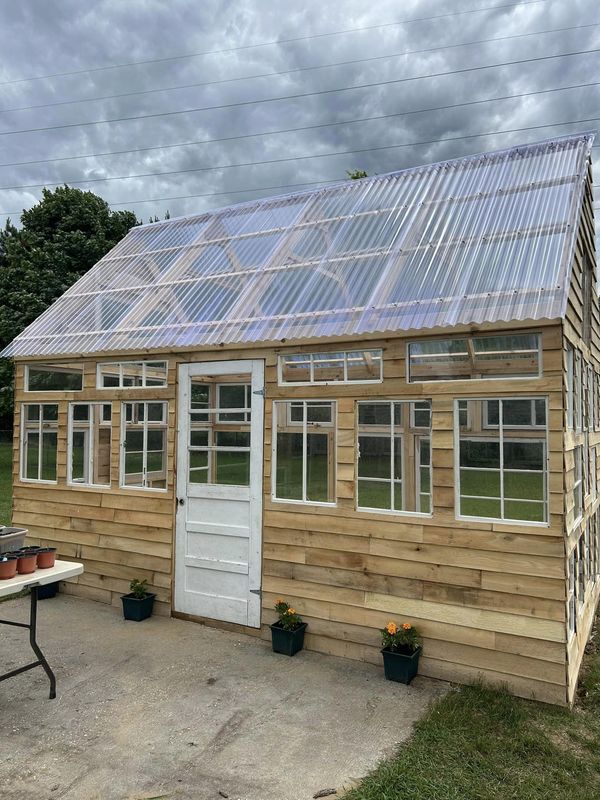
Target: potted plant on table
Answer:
[[401, 650], [139, 603], [287, 634]]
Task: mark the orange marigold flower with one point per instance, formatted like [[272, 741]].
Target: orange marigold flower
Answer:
[[391, 627], [291, 611], [407, 626]]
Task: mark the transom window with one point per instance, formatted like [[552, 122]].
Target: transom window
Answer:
[[89, 444], [39, 429], [219, 445], [303, 466], [465, 358], [394, 456], [53, 378], [501, 469], [347, 366], [128, 374], [144, 445]]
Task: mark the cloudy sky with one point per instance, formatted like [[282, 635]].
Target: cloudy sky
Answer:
[[233, 57]]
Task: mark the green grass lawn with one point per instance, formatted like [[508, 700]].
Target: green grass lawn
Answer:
[[5, 482], [479, 743]]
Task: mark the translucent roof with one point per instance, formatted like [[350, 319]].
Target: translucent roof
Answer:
[[486, 238]]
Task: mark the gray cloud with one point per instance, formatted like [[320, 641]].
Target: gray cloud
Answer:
[[37, 38]]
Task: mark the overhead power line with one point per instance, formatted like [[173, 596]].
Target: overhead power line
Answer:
[[202, 84], [273, 42], [265, 162], [242, 103], [331, 180], [302, 127]]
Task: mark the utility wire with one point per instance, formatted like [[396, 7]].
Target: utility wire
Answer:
[[332, 180], [301, 128], [330, 154], [297, 69], [297, 96], [273, 42]]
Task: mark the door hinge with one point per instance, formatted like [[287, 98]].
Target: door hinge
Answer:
[[256, 591], [261, 392]]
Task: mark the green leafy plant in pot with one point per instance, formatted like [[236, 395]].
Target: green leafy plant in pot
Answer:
[[138, 604], [287, 634], [401, 651]]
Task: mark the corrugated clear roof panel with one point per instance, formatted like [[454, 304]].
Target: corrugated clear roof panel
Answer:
[[485, 238]]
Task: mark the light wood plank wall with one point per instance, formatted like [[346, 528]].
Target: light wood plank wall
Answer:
[[489, 598], [572, 334]]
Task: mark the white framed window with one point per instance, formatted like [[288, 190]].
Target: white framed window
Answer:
[[517, 413], [580, 560], [578, 483], [501, 471], [593, 472], [470, 357], [89, 444], [131, 374], [394, 456], [234, 401], [304, 451], [53, 378], [39, 441], [589, 389], [344, 366], [570, 382], [143, 445]]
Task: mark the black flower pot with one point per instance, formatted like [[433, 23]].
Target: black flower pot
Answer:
[[47, 590], [287, 642], [137, 608], [400, 666]]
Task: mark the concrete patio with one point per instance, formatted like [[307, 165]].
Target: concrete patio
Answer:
[[171, 709]]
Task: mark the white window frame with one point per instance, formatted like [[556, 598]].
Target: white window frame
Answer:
[[578, 393], [144, 426], [50, 368], [419, 434], [120, 365], [572, 593], [333, 477], [310, 359], [533, 424], [500, 469], [246, 411], [88, 424], [25, 430], [467, 338]]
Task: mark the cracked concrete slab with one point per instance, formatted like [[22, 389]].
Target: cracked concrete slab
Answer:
[[172, 709]]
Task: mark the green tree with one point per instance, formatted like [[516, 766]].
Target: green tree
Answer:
[[356, 174], [60, 239]]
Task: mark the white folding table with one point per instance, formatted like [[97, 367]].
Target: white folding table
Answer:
[[59, 572]]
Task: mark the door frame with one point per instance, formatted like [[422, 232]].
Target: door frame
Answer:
[[185, 370]]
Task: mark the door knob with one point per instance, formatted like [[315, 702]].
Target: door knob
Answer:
[[181, 501]]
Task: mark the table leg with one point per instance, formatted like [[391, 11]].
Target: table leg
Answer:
[[34, 645]]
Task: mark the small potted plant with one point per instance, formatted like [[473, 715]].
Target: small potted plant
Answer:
[[46, 557], [8, 566], [287, 634], [139, 603], [401, 650]]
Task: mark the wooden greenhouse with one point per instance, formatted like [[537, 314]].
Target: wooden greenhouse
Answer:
[[378, 400]]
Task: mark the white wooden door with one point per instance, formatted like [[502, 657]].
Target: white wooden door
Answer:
[[219, 490]]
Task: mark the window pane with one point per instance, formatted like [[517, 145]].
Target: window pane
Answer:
[[48, 470], [198, 438], [477, 453], [32, 413], [374, 413], [397, 466], [523, 485], [374, 494], [108, 376], [328, 367], [365, 365], [529, 512], [79, 456], [54, 378], [524, 455], [480, 483], [374, 457], [49, 413], [421, 414], [32, 455], [132, 373], [232, 439], [289, 466], [199, 398], [232, 468], [295, 368], [470, 507], [156, 373], [441, 359], [318, 412], [317, 472], [81, 413], [198, 467], [156, 412], [232, 396], [102, 458], [493, 412], [517, 413], [398, 505]]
